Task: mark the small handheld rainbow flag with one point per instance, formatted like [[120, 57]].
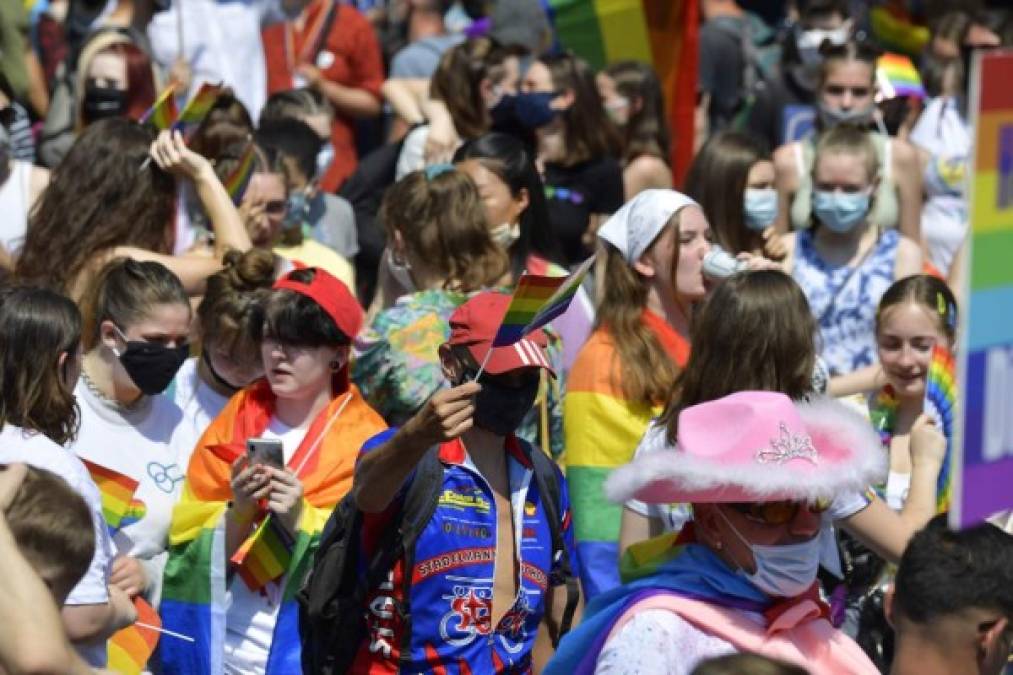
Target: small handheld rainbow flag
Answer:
[[117, 493], [897, 76], [129, 649], [163, 113], [536, 301], [197, 108], [265, 555], [941, 403], [237, 181]]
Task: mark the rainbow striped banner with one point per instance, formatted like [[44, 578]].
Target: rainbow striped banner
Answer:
[[163, 113], [198, 107], [897, 76], [663, 33], [536, 301], [129, 649], [265, 555], [941, 402], [896, 30], [117, 493], [983, 445], [237, 181]]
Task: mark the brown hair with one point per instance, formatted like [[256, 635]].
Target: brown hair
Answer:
[[124, 292], [588, 131], [646, 371], [52, 526], [233, 304], [847, 139], [764, 320], [98, 198], [646, 131], [457, 81], [929, 292], [717, 180], [852, 50], [36, 327], [442, 222]]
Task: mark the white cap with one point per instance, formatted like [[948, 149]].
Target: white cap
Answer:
[[637, 224]]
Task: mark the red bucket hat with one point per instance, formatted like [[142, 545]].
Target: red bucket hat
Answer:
[[474, 325]]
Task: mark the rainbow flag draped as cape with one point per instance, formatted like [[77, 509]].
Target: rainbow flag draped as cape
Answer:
[[602, 430], [663, 33], [163, 112], [130, 648], [194, 586], [941, 403], [118, 504], [536, 301], [237, 181]]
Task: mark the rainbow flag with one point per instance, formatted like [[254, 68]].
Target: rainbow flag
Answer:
[[663, 33], [536, 301], [895, 28], [237, 181], [117, 494], [163, 113], [129, 649], [897, 76], [198, 107], [941, 403], [265, 555]]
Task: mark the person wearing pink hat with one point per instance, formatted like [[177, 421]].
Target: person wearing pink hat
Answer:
[[494, 560], [742, 577]]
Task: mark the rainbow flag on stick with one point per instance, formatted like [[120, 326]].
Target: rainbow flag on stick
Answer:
[[537, 300], [129, 649], [198, 107], [117, 493], [237, 181], [163, 113], [941, 403], [265, 555], [897, 76]]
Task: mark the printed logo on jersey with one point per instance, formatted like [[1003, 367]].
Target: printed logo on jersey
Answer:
[[465, 500], [166, 476], [469, 616], [452, 560]]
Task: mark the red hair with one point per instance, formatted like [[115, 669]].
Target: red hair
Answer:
[[140, 78]]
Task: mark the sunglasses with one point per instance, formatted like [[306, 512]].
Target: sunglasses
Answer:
[[777, 513]]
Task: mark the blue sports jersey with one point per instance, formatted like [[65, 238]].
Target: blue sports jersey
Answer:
[[451, 589]]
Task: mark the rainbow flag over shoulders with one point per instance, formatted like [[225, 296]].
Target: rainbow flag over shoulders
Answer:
[[536, 301], [941, 403], [117, 492], [237, 181], [130, 649], [163, 113]]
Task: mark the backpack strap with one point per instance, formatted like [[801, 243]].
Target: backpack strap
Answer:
[[547, 479]]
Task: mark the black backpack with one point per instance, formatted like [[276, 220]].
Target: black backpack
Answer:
[[332, 613]]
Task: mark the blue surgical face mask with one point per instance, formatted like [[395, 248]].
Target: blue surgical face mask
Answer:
[[783, 571], [298, 210], [840, 211], [324, 158], [760, 208]]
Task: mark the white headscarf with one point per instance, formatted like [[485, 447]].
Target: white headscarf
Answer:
[[637, 224]]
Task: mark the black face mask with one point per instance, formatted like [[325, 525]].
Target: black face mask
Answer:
[[500, 409], [101, 102], [524, 111], [152, 366]]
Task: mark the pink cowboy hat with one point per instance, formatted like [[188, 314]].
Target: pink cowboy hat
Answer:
[[754, 446]]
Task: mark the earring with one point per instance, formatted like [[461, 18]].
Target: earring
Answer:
[[718, 545], [335, 364]]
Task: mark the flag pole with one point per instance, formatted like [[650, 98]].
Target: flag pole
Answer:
[[485, 362], [165, 631]]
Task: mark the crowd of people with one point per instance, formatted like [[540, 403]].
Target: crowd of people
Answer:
[[271, 426]]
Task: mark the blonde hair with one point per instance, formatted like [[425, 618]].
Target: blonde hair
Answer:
[[846, 139]]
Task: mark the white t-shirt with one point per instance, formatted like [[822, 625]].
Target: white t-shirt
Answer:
[[136, 443], [199, 404], [250, 619], [37, 450], [660, 642]]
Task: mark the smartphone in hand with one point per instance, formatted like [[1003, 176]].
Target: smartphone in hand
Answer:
[[265, 451]]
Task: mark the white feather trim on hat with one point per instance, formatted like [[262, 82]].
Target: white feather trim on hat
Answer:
[[693, 477]]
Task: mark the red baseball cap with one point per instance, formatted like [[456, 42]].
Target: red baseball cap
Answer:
[[333, 297], [474, 325]]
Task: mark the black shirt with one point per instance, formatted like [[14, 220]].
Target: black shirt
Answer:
[[574, 193]]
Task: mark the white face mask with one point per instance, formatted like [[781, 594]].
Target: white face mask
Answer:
[[401, 272], [782, 571], [506, 234]]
